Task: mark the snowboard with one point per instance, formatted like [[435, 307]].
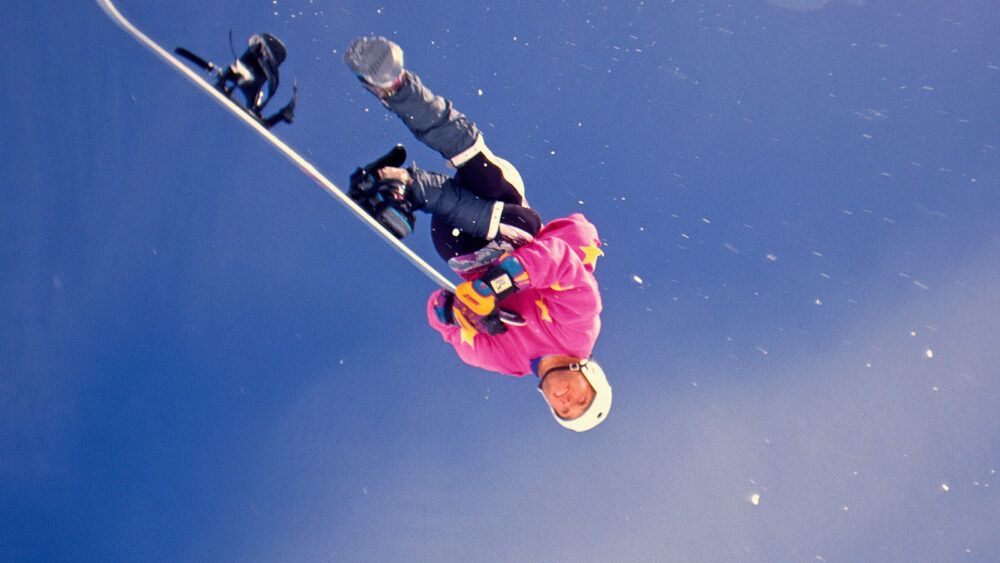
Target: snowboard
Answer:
[[257, 127]]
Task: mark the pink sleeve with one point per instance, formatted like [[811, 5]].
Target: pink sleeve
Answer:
[[485, 351], [549, 262]]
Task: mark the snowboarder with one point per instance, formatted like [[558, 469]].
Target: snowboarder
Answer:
[[256, 68], [482, 225]]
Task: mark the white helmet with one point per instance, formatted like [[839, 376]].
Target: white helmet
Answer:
[[599, 407]]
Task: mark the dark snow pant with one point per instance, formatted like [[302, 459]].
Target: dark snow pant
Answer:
[[480, 180]]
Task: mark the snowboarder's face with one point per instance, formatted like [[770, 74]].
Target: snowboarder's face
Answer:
[[567, 392]]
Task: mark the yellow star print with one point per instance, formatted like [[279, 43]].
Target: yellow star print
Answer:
[[468, 336], [545, 316], [591, 253], [467, 331]]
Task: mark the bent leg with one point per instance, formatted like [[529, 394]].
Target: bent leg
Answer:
[[434, 121], [492, 178], [464, 221]]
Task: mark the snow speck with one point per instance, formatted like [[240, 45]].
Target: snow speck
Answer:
[[929, 353], [945, 487], [772, 257], [480, 91], [637, 280], [755, 499]]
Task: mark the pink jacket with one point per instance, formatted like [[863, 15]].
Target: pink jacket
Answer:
[[561, 307]]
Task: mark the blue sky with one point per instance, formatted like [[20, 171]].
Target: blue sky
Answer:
[[206, 357]]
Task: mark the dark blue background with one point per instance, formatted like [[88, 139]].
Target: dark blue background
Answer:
[[205, 357]]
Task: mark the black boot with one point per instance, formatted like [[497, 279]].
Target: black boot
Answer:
[[389, 201]]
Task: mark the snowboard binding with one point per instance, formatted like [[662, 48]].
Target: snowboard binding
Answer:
[[251, 72], [385, 200]]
